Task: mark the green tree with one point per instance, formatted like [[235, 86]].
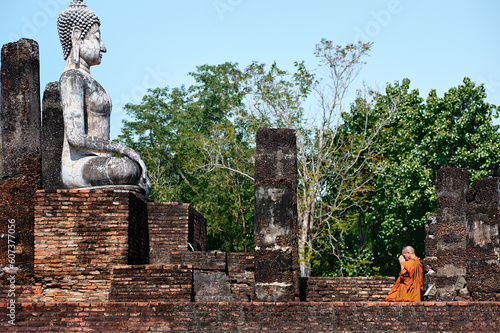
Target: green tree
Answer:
[[193, 147]]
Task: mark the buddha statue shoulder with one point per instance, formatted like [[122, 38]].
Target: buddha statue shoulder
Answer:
[[88, 153]]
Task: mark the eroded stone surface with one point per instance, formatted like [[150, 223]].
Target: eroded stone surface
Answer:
[[211, 286], [448, 232]]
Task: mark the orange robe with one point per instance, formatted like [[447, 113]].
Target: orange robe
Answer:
[[409, 286]]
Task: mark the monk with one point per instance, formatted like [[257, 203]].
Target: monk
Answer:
[[409, 286]]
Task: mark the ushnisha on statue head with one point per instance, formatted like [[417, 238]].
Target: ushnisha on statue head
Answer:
[[75, 24]]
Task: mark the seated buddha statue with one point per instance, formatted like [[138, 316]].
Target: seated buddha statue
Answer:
[[89, 156]]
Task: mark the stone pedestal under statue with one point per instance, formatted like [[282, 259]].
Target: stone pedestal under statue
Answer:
[[80, 235]]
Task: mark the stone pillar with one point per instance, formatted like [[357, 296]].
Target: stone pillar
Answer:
[[483, 250], [20, 165], [449, 230], [20, 105], [275, 227], [52, 137]]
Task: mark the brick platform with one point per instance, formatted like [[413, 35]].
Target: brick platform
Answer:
[[255, 317], [81, 235]]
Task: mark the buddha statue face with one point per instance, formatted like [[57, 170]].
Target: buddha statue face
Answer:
[[91, 47]]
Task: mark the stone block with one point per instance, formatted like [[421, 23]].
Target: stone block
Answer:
[[211, 286]]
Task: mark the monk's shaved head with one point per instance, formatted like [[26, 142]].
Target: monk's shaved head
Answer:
[[409, 249]]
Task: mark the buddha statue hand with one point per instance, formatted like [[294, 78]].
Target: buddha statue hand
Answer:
[[144, 182]]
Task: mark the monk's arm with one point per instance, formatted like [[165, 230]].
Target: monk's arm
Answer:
[[408, 267]]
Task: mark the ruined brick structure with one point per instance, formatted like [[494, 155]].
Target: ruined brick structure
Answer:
[[445, 243], [174, 227], [110, 261]]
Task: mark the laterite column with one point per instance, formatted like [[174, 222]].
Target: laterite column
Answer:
[[275, 228], [449, 231], [20, 162], [483, 249]]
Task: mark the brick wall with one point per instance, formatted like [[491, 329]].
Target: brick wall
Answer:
[[81, 235], [201, 260], [143, 283], [254, 317], [197, 236], [345, 289], [171, 227]]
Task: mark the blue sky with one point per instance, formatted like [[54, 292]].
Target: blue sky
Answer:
[[155, 43]]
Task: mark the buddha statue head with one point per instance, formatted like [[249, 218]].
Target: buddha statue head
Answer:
[[76, 26]]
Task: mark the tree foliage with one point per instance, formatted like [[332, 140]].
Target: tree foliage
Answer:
[[455, 130], [191, 142]]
